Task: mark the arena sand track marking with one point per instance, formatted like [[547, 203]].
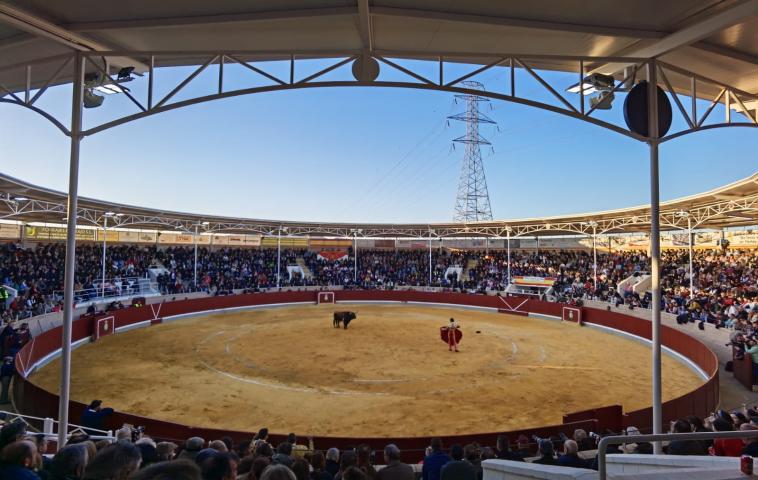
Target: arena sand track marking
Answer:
[[156, 371]]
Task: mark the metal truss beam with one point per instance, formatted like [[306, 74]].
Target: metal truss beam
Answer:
[[736, 99], [671, 220]]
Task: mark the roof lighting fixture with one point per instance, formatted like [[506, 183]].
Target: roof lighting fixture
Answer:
[[596, 83]]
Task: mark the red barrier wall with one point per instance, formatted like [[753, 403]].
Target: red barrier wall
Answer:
[[33, 400], [743, 370]]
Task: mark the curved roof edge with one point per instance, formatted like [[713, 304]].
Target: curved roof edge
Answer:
[[732, 205]]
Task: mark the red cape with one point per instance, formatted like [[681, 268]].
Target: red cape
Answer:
[[443, 335]]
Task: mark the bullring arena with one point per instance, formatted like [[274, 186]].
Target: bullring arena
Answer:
[[579, 330], [288, 368]]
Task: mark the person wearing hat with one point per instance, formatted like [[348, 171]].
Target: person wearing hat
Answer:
[[192, 446], [6, 375]]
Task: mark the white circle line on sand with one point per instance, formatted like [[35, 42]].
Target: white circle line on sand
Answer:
[[261, 383]]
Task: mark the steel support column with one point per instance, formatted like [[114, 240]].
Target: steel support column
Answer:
[[70, 265], [430, 258], [655, 247], [105, 234], [692, 273], [508, 249], [355, 257], [279, 259], [594, 255], [194, 273]]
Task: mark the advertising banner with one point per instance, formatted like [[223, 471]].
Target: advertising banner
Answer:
[[165, 238], [183, 239], [534, 281], [411, 243], [56, 233], [235, 240], [110, 236], [10, 231], [742, 238], [128, 237], [147, 237], [219, 240], [317, 243], [253, 240]]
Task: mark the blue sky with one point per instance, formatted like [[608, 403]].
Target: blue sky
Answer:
[[358, 154]]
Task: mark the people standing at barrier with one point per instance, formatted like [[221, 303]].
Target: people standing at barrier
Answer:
[[503, 450], [458, 468], [6, 376], [434, 462], [684, 447], [94, 415], [6, 337], [348, 460], [363, 453], [394, 468], [318, 467]]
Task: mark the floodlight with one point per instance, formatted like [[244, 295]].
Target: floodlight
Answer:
[[90, 100], [596, 83], [20, 199], [205, 224], [110, 89], [100, 83], [588, 88], [603, 101], [109, 214]]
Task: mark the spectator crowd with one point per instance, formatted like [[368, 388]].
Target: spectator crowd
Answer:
[[726, 281], [133, 454]]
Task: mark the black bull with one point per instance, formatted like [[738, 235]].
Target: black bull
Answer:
[[344, 318]]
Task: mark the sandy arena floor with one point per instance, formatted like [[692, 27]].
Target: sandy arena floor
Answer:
[[389, 374]]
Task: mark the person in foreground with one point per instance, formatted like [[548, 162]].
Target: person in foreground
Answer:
[[394, 469], [458, 468], [434, 462]]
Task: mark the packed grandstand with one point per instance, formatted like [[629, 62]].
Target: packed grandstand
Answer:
[[725, 281]]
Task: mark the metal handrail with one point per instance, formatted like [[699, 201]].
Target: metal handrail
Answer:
[[107, 433], [602, 446]]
